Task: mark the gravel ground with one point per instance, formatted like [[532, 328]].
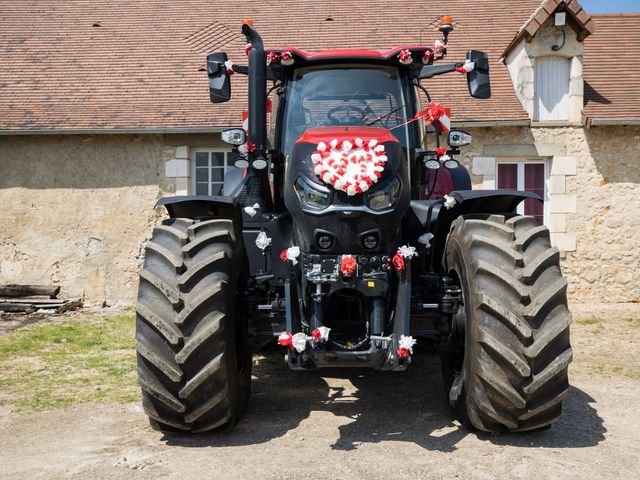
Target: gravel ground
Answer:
[[352, 424]]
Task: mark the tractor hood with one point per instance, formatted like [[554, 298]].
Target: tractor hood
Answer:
[[347, 181]]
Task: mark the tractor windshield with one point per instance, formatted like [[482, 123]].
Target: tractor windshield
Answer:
[[344, 95]]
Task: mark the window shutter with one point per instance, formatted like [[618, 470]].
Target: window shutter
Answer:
[[552, 88]]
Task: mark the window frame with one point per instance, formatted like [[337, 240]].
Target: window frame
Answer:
[[209, 151], [520, 181]]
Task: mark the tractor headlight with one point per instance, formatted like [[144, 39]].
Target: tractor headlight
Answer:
[[311, 196], [385, 197], [234, 136], [458, 138]]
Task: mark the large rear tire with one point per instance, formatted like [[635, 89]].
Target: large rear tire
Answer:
[[506, 365], [194, 360]]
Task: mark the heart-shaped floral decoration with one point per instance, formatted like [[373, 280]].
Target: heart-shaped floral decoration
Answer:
[[349, 166]]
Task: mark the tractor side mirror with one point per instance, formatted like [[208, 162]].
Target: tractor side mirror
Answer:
[[478, 78], [219, 81]]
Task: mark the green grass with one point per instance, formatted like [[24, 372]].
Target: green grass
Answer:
[[87, 359]]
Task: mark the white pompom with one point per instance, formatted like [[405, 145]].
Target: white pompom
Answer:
[[322, 146], [299, 342], [334, 143], [373, 142], [359, 142], [449, 202]]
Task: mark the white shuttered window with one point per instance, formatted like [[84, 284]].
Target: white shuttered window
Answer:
[[552, 88]]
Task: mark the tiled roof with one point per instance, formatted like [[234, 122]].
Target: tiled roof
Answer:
[[88, 64], [92, 65], [610, 69]]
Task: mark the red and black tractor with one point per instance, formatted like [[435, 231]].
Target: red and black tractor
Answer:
[[346, 234]]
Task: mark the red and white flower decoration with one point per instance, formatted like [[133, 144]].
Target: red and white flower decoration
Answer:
[[441, 153], [348, 265], [297, 341], [439, 47], [349, 166], [427, 56], [320, 334], [285, 339], [435, 114], [404, 252], [405, 346], [272, 57], [466, 67], [291, 253], [286, 58], [405, 57], [229, 66]]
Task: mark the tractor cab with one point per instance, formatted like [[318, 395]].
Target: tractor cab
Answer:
[[348, 94]]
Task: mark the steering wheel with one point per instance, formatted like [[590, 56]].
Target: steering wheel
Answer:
[[346, 118]]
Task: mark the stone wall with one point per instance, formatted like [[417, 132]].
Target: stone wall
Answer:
[[76, 210], [593, 199]]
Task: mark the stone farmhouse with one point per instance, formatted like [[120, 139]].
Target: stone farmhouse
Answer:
[[104, 108]]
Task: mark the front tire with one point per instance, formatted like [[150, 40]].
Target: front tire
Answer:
[[507, 361], [194, 360]]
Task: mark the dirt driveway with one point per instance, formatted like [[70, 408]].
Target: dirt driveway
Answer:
[[353, 424]]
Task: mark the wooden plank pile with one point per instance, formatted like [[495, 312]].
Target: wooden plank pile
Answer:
[[35, 298]]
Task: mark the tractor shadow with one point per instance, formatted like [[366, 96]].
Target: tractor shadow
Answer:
[[374, 407]]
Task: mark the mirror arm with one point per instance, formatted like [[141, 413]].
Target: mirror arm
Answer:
[[429, 71]]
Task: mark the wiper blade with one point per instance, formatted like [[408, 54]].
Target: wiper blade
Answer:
[[385, 116]]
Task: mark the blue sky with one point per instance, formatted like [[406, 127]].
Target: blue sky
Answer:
[[611, 6]]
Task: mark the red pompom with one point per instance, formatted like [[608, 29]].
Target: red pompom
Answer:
[[315, 333], [403, 353], [283, 255], [348, 265], [247, 48], [251, 147], [440, 151], [398, 262]]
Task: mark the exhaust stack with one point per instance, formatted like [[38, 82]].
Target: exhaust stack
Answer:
[[258, 187]]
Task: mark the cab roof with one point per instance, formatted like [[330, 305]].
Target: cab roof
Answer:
[[384, 56]]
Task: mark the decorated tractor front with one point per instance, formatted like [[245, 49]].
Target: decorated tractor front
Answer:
[[347, 189], [345, 236]]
